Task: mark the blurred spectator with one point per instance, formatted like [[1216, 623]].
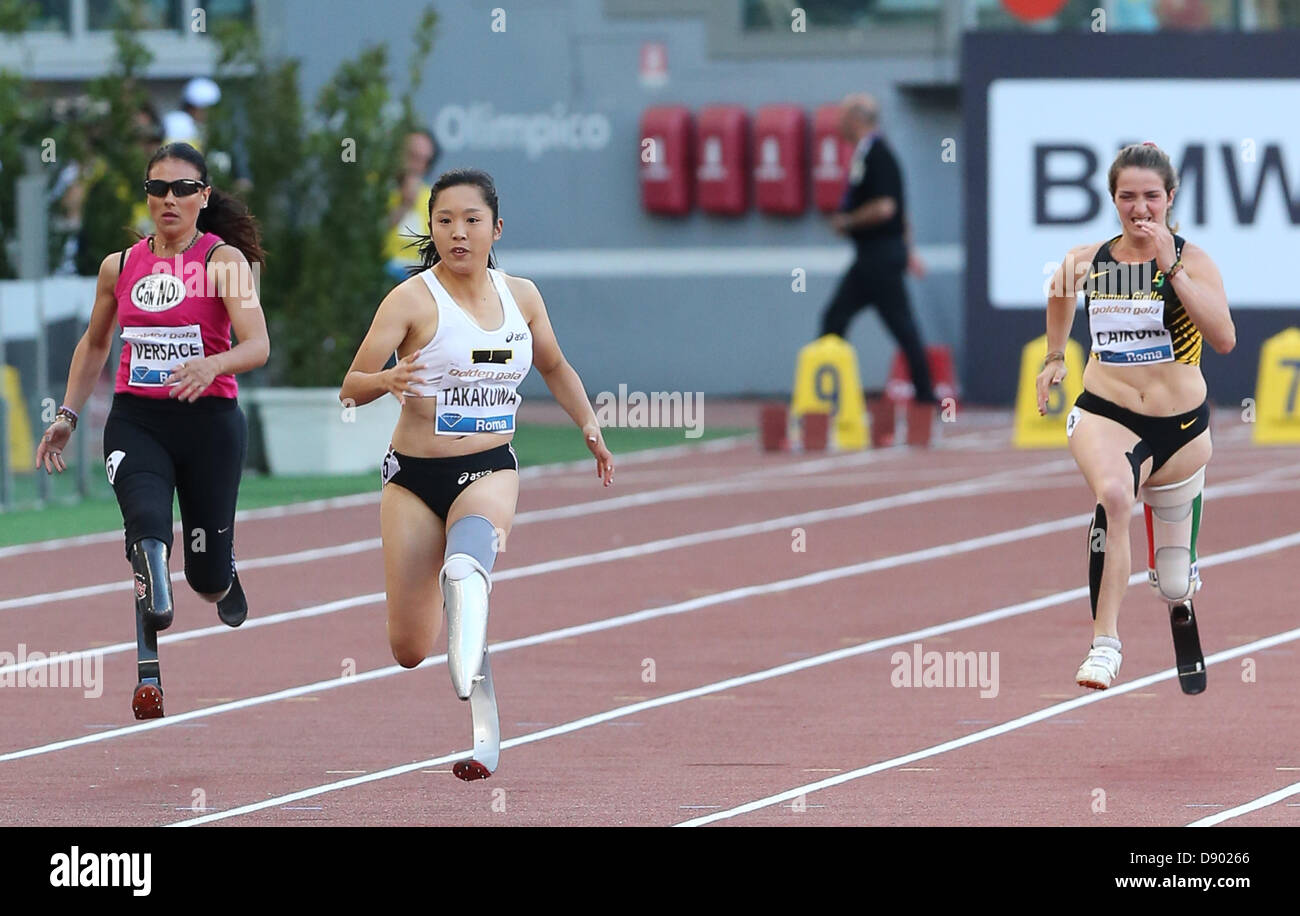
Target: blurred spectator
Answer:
[[408, 205], [187, 125]]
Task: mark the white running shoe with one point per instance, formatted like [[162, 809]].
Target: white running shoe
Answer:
[[1100, 668]]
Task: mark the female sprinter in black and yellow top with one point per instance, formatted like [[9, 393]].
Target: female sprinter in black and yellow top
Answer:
[[467, 334], [1142, 425]]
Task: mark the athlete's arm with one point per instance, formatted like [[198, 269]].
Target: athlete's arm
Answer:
[[245, 309], [1200, 289], [92, 350], [1062, 298], [561, 378], [367, 379], [229, 275], [87, 363]]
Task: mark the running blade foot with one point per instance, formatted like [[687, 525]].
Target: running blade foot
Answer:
[[1187, 648], [470, 770], [233, 608], [147, 703]]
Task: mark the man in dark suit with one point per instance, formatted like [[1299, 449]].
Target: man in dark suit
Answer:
[[873, 215]]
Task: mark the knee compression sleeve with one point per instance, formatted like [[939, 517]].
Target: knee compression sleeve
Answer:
[[1096, 555], [471, 546], [153, 583], [1173, 520]]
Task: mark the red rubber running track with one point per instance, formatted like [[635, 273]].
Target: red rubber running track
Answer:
[[712, 640]]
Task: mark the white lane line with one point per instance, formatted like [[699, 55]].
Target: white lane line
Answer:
[[803, 664], [987, 733], [362, 499], [1258, 483], [1263, 801], [707, 601], [650, 497], [960, 488], [1254, 484], [608, 623]]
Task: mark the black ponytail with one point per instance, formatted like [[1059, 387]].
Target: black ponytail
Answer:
[[228, 217], [479, 179], [225, 214]]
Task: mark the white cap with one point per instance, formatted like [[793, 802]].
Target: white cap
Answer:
[[201, 92]]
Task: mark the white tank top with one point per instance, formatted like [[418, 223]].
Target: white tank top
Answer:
[[475, 374]]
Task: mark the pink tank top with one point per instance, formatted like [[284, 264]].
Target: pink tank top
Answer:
[[170, 312]]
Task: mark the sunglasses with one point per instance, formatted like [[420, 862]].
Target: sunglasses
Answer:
[[181, 187]]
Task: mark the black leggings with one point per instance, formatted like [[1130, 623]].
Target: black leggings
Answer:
[[876, 278], [154, 447]]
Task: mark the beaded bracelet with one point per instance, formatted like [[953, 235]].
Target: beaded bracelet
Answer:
[[66, 413]]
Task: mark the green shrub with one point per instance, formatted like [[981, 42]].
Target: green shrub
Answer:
[[319, 183]]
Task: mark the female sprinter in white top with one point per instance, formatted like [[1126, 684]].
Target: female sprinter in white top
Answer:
[[466, 335]]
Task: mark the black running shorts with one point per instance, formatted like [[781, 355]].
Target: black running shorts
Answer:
[[154, 448], [1161, 436], [438, 481]]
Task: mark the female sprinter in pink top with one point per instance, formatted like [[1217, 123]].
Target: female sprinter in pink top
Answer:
[[175, 426], [467, 334]]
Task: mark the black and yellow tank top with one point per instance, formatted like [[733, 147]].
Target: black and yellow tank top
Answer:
[[1134, 314]]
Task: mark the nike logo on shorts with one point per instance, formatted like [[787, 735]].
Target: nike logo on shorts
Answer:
[[1187, 424]]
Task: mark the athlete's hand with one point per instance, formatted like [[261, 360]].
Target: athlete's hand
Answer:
[[595, 441], [1053, 374], [50, 451], [1153, 230], [915, 266], [398, 381], [190, 379]]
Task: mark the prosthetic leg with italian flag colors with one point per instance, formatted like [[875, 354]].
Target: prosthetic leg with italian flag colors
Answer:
[[1173, 517]]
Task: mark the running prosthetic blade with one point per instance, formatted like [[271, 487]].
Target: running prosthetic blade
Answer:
[[487, 728], [147, 701], [1187, 648], [233, 609]]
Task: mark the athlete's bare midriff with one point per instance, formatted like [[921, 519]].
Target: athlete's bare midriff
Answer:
[[1162, 390], [415, 436], [1158, 390]]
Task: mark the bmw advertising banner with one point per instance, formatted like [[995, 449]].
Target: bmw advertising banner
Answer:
[[1044, 117]]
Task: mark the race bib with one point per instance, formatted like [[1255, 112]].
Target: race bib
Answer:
[[479, 409], [156, 352], [389, 468], [1130, 332]]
